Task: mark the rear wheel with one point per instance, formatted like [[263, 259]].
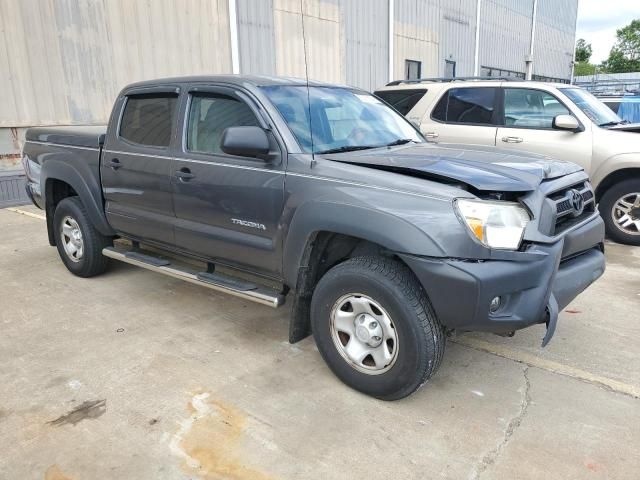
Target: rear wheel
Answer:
[[620, 209], [79, 243], [375, 328]]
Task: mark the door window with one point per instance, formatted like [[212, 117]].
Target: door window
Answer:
[[528, 108], [210, 116], [474, 106], [148, 119]]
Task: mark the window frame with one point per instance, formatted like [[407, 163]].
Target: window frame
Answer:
[[522, 127], [256, 108], [496, 115], [151, 91]]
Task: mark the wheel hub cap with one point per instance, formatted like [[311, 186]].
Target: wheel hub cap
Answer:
[[626, 213], [364, 334], [71, 237]]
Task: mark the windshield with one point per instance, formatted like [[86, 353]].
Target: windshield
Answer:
[[593, 108], [342, 119]]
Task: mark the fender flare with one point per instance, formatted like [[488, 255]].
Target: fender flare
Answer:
[[391, 232], [85, 184], [613, 164]]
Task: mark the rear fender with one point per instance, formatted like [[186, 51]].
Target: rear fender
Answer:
[[79, 177]]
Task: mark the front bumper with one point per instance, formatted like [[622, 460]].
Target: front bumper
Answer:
[[533, 286]]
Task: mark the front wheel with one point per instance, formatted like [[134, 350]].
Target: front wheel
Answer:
[[375, 328], [620, 210]]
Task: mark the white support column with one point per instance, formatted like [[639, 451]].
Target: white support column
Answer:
[[391, 34], [476, 64], [529, 60], [233, 30]]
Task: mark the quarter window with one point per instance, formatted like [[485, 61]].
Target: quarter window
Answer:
[[148, 119], [210, 116], [467, 105], [528, 108], [402, 100]]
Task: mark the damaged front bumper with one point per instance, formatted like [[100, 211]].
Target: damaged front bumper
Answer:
[[531, 286]]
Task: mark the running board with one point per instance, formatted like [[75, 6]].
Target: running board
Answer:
[[218, 282]]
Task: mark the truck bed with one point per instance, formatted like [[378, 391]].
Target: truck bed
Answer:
[[89, 137]]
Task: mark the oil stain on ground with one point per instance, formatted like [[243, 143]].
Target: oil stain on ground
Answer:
[[90, 409], [209, 441], [54, 473]]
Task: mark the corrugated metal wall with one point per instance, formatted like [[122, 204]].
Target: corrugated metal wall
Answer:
[[256, 39], [555, 37], [417, 36], [458, 34], [366, 34], [63, 61], [505, 33]]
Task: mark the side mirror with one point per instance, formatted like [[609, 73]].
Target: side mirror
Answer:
[[245, 141], [566, 122]]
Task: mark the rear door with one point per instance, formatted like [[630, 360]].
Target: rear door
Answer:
[[228, 207], [466, 115], [528, 126], [136, 162]]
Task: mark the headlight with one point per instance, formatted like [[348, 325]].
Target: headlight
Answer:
[[495, 224]]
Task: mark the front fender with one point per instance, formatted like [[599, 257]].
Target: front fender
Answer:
[[85, 183], [392, 232]]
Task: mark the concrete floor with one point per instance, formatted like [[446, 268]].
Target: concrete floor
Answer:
[[133, 375]]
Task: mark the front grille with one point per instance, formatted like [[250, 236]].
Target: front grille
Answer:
[[565, 201]]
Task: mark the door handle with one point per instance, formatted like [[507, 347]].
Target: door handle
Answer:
[[431, 135], [114, 163], [512, 139], [184, 174]]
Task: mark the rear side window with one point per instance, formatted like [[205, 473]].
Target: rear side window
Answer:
[[148, 119], [473, 106], [210, 116], [402, 100]]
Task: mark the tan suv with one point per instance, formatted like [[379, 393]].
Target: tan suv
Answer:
[[562, 121]]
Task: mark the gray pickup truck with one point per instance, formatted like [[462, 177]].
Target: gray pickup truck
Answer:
[[267, 188]]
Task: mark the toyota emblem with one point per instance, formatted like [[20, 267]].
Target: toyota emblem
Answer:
[[576, 201]]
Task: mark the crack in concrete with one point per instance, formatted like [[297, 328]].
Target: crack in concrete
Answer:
[[492, 456], [535, 361]]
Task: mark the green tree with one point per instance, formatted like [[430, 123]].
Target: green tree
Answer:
[[583, 51], [625, 54], [584, 68]]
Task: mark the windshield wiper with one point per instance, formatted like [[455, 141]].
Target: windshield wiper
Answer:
[[400, 141], [348, 148], [611, 124]]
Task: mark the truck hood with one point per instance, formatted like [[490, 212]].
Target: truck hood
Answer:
[[484, 168]]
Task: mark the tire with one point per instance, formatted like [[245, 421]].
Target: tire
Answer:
[[382, 289], [88, 260], [625, 190]]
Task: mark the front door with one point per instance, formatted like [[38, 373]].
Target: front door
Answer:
[[228, 207], [528, 126], [464, 115], [135, 166]]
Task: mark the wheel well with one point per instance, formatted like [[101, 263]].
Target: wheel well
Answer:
[[323, 251], [55, 191], [616, 177]]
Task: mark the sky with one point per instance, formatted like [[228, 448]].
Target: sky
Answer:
[[598, 21]]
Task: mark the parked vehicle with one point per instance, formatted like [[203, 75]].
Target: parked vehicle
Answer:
[[383, 241], [627, 107], [563, 121]]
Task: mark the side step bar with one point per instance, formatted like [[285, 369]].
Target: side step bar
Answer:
[[218, 282]]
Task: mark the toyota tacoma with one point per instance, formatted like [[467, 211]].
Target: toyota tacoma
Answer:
[[273, 188]]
